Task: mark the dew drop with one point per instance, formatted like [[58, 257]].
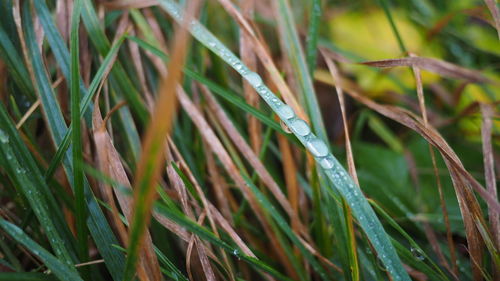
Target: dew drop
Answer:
[[285, 112], [326, 163], [238, 66], [211, 44], [300, 127], [317, 147], [253, 78], [20, 170], [417, 254], [4, 138]]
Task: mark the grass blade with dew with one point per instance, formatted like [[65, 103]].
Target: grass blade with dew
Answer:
[[97, 224], [17, 161], [296, 55], [316, 146], [60, 269]]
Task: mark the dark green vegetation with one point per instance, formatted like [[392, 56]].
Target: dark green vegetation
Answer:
[[132, 148]]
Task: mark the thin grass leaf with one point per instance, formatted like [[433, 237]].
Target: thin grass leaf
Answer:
[[62, 270], [11, 58], [388, 14], [76, 140]]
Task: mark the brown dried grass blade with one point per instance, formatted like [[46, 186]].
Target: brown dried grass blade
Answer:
[[150, 165], [350, 162], [433, 65], [179, 186], [423, 110], [489, 168], [249, 59], [110, 164]]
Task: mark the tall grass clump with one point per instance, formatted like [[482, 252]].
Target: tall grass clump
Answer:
[[249, 140]]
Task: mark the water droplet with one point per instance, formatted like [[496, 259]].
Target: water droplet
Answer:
[[20, 170], [417, 254], [317, 147], [300, 127], [4, 138], [253, 78], [238, 66], [211, 44], [326, 163], [285, 112]]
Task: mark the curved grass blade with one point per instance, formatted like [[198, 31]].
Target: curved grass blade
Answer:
[[200, 231], [316, 146], [60, 269]]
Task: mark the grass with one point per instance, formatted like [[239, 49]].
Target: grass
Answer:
[[137, 145]]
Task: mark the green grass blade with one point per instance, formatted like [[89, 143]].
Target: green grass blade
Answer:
[[81, 211], [60, 269], [361, 209], [388, 14], [300, 68], [15, 64], [312, 35]]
